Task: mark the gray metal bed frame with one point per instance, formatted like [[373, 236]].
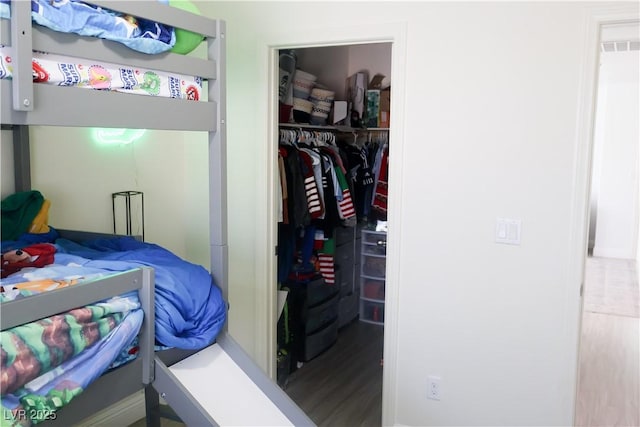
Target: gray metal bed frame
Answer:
[[23, 103]]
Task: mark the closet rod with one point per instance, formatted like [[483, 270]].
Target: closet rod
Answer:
[[338, 128]]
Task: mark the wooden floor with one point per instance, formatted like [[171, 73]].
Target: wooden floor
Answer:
[[608, 384], [164, 422], [343, 386]]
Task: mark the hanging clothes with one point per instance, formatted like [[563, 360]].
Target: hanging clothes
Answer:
[[317, 174], [315, 205], [381, 190], [326, 261], [360, 174], [299, 215], [283, 213], [346, 209], [317, 197]]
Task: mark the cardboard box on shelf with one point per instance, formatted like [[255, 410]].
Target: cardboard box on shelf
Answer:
[[385, 108], [377, 81]]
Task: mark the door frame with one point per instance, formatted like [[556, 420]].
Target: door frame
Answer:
[[596, 19], [266, 261]]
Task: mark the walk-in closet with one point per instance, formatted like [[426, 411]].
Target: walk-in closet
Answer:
[[333, 157]]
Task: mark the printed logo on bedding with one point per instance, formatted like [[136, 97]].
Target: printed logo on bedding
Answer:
[[151, 83], [3, 70], [99, 77], [192, 93], [174, 87], [40, 75], [70, 73], [128, 78]]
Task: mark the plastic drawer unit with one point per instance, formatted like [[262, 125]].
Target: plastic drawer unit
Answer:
[[373, 264]]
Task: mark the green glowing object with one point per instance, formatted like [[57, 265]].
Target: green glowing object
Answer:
[[117, 136]]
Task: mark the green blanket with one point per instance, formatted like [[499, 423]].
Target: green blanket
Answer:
[[18, 211]]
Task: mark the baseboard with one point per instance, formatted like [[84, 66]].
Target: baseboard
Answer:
[[123, 413]]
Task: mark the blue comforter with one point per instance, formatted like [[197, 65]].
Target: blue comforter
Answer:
[[74, 16], [190, 310]]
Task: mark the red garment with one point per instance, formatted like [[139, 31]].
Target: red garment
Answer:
[[327, 268], [381, 190], [316, 209]]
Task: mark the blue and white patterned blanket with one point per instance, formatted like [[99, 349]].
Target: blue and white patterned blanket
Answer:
[[73, 16]]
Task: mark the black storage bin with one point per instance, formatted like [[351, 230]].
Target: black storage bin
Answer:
[[313, 306], [318, 316], [320, 341], [317, 291]]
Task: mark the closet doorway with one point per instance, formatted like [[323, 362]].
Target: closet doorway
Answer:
[[333, 144]]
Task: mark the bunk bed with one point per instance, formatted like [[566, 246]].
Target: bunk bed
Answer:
[[25, 102]]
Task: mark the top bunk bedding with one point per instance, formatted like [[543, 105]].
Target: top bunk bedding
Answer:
[[137, 57], [86, 19]]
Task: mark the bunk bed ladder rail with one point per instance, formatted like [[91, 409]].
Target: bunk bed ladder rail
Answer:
[[146, 339], [21, 41], [216, 47]]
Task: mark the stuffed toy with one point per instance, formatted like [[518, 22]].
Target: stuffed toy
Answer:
[[37, 255]]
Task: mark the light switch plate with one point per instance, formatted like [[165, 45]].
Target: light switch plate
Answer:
[[508, 231]]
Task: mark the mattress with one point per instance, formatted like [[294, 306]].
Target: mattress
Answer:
[[68, 71]]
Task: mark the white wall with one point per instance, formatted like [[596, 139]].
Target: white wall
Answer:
[[373, 58], [329, 64], [616, 140], [491, 102], [6, 165], [78, 175]]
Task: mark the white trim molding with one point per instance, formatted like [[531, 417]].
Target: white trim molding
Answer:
[[395, 33]]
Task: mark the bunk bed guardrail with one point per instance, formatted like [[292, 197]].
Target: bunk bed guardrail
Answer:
[[39, 103], [36, 307]]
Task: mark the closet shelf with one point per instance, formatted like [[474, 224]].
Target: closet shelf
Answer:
[[327, 127]]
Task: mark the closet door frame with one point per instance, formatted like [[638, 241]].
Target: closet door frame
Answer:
[[266, 227]]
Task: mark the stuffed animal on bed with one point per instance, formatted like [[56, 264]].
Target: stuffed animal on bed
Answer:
[[37, 255]]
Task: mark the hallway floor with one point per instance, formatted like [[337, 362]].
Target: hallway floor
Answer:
[[608, 384]]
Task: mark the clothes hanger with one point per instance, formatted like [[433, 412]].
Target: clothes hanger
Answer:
[[330, 138], [284, 140]]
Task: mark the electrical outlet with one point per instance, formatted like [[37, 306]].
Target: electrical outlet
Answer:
[[433, 387]]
